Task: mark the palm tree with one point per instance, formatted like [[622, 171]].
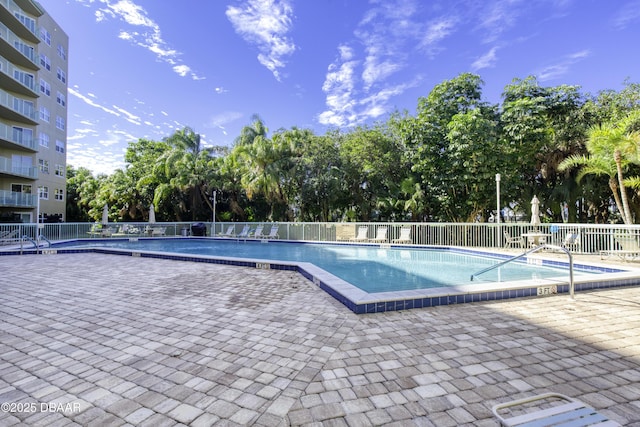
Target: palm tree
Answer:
[[188, 167], [612, 147]]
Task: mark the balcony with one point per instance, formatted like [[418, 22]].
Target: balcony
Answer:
[[8, 11], [11, 139], [7, 168], [10, 199], [16, 50], [24, 85], [17, 109]]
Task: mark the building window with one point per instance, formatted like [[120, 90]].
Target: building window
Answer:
[[45, 62], [45, 36], [23, 106], [25, 49], [44, 140], [62, 76], [43, 192], [44, 165], [59, 194], [60, 123], [22, 135], [60, 170], [59, 146], [44, 114], [24, 78], [30, 23], [62, 53], [21, 188], [61, 99], [45, 87]]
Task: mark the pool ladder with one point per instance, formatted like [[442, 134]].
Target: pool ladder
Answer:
[[530, 251]]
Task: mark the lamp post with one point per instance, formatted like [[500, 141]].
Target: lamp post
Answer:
[[498, 197], [213, 215], [498, 208]]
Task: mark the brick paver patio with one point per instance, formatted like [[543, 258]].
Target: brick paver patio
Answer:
[[89, 339]]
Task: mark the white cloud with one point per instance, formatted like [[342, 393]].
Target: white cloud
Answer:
[[498, 16], [91, 102], [559, 69], [149, 37], [436, 31], [265, 24], [361, 89], [487, 60], [627, 15]]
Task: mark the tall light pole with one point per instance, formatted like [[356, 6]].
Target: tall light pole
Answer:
[[498, 197], [498, 208], [213, 215]]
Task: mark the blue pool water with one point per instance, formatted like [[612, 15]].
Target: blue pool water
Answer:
[[370, 268]]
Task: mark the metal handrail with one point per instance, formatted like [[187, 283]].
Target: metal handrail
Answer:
[[530, 251], [41, 237]]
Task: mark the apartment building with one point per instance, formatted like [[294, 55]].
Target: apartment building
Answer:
[[33, 113]]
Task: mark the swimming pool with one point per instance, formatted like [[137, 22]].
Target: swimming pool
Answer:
[[359, 276], [370, 268]]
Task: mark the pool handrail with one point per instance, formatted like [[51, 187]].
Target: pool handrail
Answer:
[[530, 251]]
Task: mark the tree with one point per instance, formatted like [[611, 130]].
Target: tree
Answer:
[[188, 171], [543, 126], [612, 146], [80, 188]]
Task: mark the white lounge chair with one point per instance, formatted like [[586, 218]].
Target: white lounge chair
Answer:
[[273, 233], [560, 410], [363, 230], [231, 231], [571, 241], [381, 235], [629, 248], [257, 233], [405, 236], [9, 237], [245, 232]]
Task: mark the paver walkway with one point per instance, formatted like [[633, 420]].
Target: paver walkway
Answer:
[[89, 339]]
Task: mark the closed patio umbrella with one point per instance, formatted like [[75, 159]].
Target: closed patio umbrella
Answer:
[[152, 214], [535, 211], [105, 216]]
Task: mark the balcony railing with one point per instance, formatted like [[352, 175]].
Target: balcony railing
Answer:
[[7, 133], [7, 167], [23, 107], [591, 238], [17, 200], [25, 84], [28, 57]]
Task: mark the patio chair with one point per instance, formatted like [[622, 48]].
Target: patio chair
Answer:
[[231, 231], [629, 248], [158, 231], [572, 240], [8, 237], [273, 233], [559, 410], [510, 241], [363, 230], [245, 232], [405, 236], [257, 233], [381, 235]]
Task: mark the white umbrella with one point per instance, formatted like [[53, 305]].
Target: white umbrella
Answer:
[[535, 211], [105, 215], [152, 214]]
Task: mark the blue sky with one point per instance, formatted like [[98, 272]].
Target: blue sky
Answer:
[[145, 68]]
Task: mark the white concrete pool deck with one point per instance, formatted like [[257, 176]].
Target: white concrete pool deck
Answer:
[[90, 339]]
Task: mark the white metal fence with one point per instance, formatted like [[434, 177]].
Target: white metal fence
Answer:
[[591, 238]]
